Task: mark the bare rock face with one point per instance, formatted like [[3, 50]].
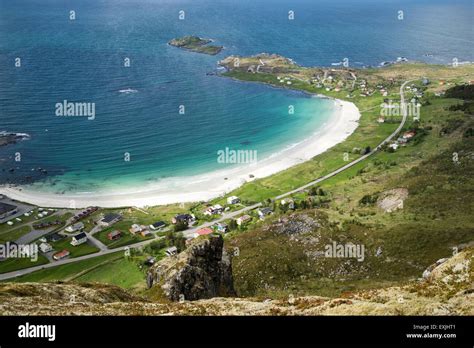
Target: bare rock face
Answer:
[[202, 271]]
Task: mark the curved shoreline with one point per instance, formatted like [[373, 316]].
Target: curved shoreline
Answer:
[[206, 186]]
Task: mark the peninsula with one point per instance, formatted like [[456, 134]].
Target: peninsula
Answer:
[[196, 44]]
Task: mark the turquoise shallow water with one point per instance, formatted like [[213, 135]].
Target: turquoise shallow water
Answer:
[[82, 60]]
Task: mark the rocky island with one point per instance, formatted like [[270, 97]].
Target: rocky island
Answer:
[[196, 44]]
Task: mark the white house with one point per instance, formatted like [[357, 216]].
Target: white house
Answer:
[[243, 219], [45, 247], [79, 239], [135, 228], [215, 209], [76, 227], [233, 200], [393, 146]]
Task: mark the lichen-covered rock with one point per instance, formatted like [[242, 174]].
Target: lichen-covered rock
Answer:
[[202, 271]]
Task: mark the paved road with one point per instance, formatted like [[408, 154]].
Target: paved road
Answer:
[[226, 216]]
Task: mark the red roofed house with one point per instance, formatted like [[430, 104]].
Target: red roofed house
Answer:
[[204, 231], [61, 255], [409, 135], [114, 235]]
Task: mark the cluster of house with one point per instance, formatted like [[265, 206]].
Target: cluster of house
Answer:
[[287, 80], [76, 240], [142, 230], [401, 141], [48, 224], [383, 91], [415, 90], [329, 81], [84, 214], [365, 91], [135, 229]]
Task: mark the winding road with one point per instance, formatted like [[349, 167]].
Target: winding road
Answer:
[[228, 215]]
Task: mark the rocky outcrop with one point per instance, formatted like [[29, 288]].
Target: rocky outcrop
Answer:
[[202, 271], [449, 291]]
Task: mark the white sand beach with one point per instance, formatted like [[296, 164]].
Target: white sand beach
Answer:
[[204, 187]]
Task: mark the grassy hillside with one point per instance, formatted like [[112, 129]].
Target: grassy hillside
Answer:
[[436, 169]]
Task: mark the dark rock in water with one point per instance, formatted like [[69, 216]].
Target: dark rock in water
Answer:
[[7, 138], [203, 270], [246, 142]]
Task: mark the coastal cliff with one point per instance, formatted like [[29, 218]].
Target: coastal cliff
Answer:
[[203, 270], [447, 291]]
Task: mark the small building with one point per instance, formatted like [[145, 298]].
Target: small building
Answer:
[[135, 228], [222, 227], [157, 225], [76, 227], [233, 200], [187, 218], [215, 209], [79, 239], [409, 134], [7, 210], [114, 235], [110, 219], [171, 251], [145, 233], [243, 219], [381, 119], [45, 247], [55, 237], [264, 212], [61, 255], [393, 146], [204, 231], [402, 140], [289, 202]]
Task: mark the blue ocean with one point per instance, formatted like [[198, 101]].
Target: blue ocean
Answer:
[[138, 134]]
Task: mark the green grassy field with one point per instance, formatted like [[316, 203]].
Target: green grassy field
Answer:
[[14, 234], [80, 250], [65, 272], [436, 217], [121, 272], [11, 265], [126, 239]]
